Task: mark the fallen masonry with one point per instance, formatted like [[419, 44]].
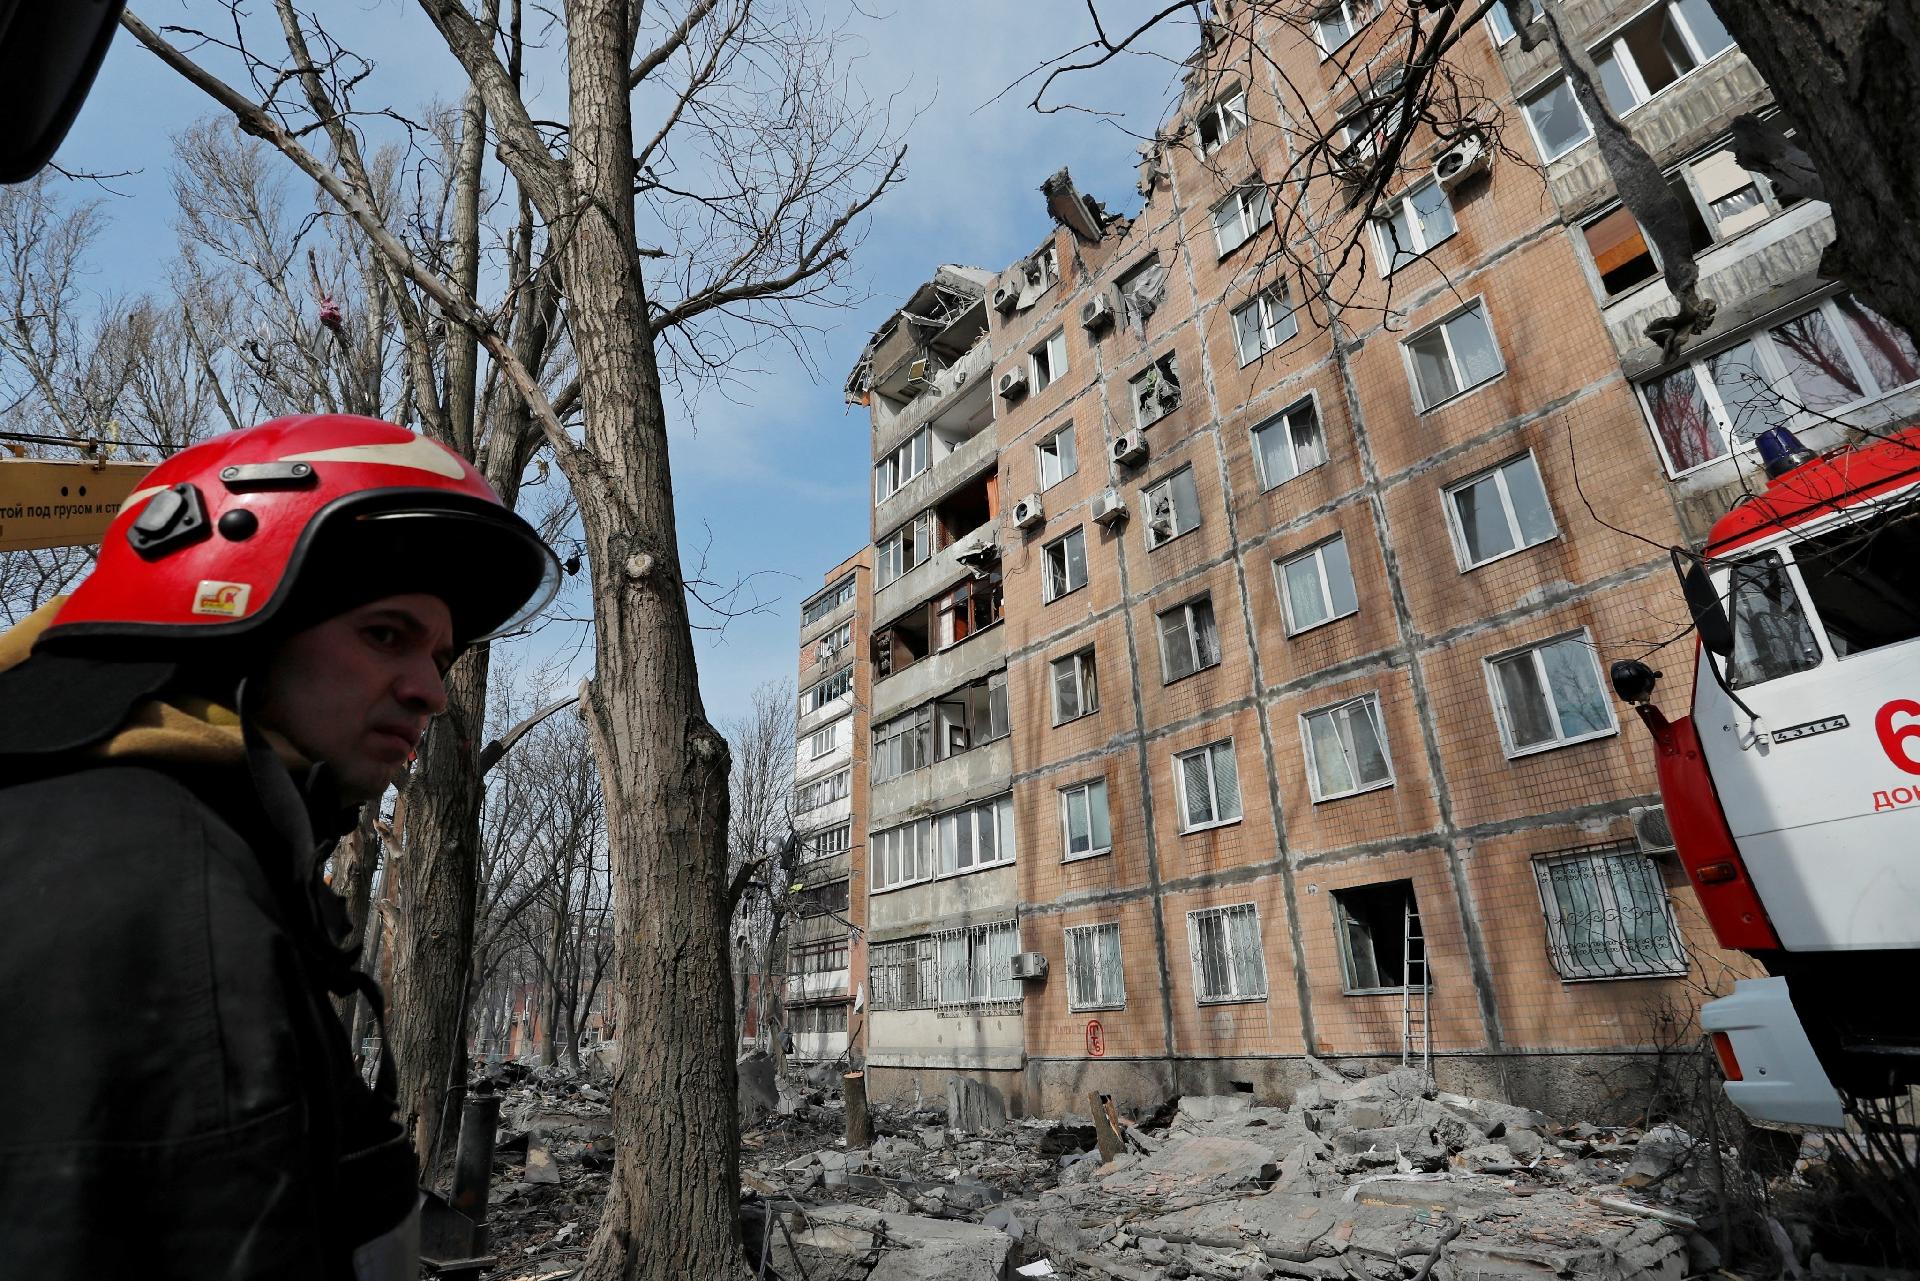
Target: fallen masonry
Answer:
[[1376, 1179]]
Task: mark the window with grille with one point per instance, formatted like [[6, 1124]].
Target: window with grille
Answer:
[[1227, 961], [903, 976], [1346, 749], [1208, 781], [976, 964], [1095, 980], [1188, 641], [1607, 913], [1083, 819]]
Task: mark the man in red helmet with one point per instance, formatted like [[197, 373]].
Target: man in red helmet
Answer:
[[257, 652]]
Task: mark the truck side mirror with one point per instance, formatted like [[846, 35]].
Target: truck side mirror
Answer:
[[1633, 681], [1709, 615]]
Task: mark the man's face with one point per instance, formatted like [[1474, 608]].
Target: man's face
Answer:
[[358, 690]]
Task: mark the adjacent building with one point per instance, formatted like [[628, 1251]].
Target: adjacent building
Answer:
[[1235, 683]]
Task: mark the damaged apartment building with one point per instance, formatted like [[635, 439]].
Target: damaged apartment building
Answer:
[[1231, 682]]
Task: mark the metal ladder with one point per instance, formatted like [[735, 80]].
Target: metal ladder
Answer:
[[1416, 1043]]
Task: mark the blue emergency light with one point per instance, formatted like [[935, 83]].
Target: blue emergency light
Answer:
[[1781, 451]]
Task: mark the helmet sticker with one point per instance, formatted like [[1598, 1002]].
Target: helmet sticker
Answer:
[[418, 454], [227, 600]]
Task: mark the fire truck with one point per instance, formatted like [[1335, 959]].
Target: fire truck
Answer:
[[1792, 789]]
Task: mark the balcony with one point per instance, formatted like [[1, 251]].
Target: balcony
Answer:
[[963, 446], [956, 391], [826, 986], [972, 775]]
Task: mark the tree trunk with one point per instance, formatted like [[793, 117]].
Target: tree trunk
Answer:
[[853, 1088], [1848, 77], [354, 864], [432, 946], [671, 1207]]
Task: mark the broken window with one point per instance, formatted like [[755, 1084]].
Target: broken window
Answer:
[[1453, 356], [1500, 23], [903, 745], [1049, 360], [1864, 581], [1083, 819], [1155, 391], [1228, 964], [833, 642], [1413, 224], [1207, 781], [1263, 323], [1607, 913], [1245, 210], [976, 964], [820, 900], [966, 509], [1549, 694], [969, 607], [1188, 641], [1499, 511], [1095, 979], [1662, 45], [1142, 289], [1621, 255], [1369, 122], [1075, 690], [1066, 565], [907, 460], [1173, 508], [1316, 586], [1335, 24], [971, 716], [1346, 749], [1558, 123], [904, 548], [1220, 120], [1289, 443], [1056, 457], [1819, 365], [1382, 948]]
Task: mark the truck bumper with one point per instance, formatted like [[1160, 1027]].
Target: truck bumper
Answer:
[[1781, 1080]]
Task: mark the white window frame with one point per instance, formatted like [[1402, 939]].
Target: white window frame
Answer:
[[1003, 837], [1085, 787], [895, 847], [1277, 318], [1370, 703], [814, 697], [1214, 752], [1393, 259], [1776, 375], [902, 745], [1356, 14], [1318, 555], [1241, 988], [1086, 685], [1047, 363], [1502, 714], [898, 466], [1283, 422], [830, 732], [1099, 998], [1560, 946], [1166, 490], [1228, 113], [1614, 43], [833, 642], [1552, 85], [1047, 590], [913, 537], [1252, 212], [1498, 473], [1065, 462], [983, 945], [1461, 389], [827, 841], [836, 786], [1195, 649]]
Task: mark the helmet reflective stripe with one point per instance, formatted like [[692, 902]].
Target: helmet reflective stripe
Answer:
[[418, 454]]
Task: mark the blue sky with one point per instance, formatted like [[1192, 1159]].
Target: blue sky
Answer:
[[778, 475]]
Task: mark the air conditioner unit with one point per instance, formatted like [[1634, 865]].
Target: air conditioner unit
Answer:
[[1027, 512], [1097, 312], [1013, 383], [1650, 829], [1461, 161], [1029, 965], [1109, 508], [1130, 449], [1006, 297]]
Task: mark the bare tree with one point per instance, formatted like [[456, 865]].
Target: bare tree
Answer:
[[760, 838], [753, 166]]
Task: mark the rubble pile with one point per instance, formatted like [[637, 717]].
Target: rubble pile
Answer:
[[551, 1159]]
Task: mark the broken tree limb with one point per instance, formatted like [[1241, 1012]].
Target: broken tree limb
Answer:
[[490, 754], [853, 1088], [1106, 1127]]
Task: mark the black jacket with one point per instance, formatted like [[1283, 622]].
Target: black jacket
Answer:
[[182, 1101]]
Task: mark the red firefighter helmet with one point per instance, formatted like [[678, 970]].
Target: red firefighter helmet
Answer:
[[295, 520]]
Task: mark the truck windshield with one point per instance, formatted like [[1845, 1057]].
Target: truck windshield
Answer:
[[1864, 580], [1770, 633]]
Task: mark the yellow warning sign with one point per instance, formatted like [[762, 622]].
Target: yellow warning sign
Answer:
[[61, 504]]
